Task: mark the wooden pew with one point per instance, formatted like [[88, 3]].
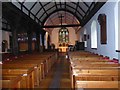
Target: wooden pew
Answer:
[[13, 81], [26, 74], [97, 84], [40, 63], [37, 65], [94, 75], [87, 69]]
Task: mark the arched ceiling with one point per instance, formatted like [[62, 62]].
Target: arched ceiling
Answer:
[[78, 11]]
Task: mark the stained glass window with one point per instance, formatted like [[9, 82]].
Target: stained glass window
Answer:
[[63, 35]]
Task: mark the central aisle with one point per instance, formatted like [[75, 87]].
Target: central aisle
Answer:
[[58, 73], [59, 77]]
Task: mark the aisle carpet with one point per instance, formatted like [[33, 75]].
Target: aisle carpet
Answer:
[[58, 73], [58, 77]]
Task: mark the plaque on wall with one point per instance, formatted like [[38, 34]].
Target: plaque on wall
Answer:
[[103, 28]]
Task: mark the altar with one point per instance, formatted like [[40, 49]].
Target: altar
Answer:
[[63, 49]]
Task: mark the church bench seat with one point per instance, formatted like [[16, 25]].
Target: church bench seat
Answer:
[[20, 66], [41, 65], [96, 78], [26, 77], [91, 71], [6, 84], [94, 75], [96, 84], [12, 81], [38, 67], [96, 72]]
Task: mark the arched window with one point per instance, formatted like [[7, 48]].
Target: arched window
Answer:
[[46, 39], [94, 34], [117, 26], [63, 36], [85, 37]]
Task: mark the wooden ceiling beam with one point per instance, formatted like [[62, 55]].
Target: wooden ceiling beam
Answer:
[[56, 26]]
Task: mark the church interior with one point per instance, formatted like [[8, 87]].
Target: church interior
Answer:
[[60, 44]]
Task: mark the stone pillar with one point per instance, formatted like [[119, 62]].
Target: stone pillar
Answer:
[[29, 41]]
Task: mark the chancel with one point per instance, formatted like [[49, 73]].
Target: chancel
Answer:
[[60, 44]]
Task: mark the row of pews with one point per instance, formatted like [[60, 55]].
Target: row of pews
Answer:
[[27, 71], [91, 71]]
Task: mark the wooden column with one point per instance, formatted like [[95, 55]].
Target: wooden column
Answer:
[[29, 41], [0, 28], [48, 42], [15, 48], [0, 43], [38, 41], [15, 24], [43, 39]]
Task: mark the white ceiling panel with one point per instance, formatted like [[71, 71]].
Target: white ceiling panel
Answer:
[[17, 5], [51, 10], [43, 17], [79, 10], [32, 16], [83, 6], [48, 6], [72, 0], [63, 6], [70, 9], [36, 8], [57, 2], [71, 4], [40, 13], [37, 20], [88, 0], [29, 4], [88, 3], [92, 7], [79, 15], [46, 0], [44, 3], [31, 0], [17, 0], [58, 6], [25, 11]]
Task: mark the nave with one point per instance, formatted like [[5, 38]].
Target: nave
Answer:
[[81, 71], [60, 44]]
